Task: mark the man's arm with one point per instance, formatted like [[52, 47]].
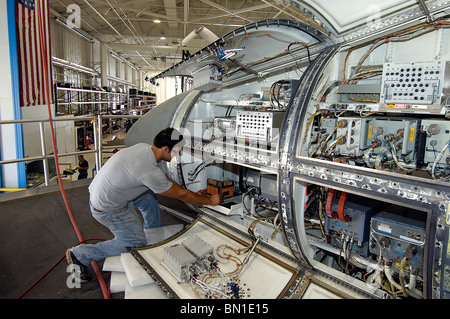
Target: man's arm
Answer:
[[85, 166], [178, 192]]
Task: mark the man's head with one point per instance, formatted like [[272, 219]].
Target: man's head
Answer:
[[170, 142]]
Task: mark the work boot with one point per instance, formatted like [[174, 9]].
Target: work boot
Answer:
[[84, 275]]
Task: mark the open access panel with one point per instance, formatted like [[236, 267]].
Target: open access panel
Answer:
[[229, 264]]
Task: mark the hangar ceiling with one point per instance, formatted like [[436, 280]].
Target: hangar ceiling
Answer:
[[149, 33]]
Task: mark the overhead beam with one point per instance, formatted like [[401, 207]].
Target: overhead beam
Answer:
[[171, 12], [137, 11], [239, 11], [194, 22], [186, 17], [230, 12], [106, 21], [146, 47], [281, 10], [113, 28]]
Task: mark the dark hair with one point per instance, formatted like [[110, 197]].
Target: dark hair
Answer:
[[168, 137]]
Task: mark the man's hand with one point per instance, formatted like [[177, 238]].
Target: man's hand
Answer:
[[216, 199], [198, 198]]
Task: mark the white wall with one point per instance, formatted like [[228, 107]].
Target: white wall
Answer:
[[168, 87]]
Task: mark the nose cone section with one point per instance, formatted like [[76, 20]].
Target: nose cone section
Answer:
[[154, 121]]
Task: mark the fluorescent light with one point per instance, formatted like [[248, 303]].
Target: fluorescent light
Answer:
[[163, 37], [74, 30], [117, 57], [73, 66], [157, 21]]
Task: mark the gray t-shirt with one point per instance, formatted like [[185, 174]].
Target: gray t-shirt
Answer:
[[127, 174]]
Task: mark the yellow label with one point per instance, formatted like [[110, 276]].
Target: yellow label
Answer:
[[399, 264], [447, 219], [411, 134], [390, 106], [370, 131], [448, 246]]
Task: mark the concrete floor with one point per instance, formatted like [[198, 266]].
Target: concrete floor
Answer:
[[35, 232]]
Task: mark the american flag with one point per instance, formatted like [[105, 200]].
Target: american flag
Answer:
[[31, 68]]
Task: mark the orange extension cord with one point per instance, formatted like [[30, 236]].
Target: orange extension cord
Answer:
[[55, 152]]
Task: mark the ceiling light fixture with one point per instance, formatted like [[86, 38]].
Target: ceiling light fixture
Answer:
[[157, 21]]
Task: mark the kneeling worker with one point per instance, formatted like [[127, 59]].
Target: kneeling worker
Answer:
[[128, 180]]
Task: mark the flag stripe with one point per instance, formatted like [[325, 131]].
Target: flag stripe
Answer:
[[29, 63], [49, 50], [31, 69], [32, 41]]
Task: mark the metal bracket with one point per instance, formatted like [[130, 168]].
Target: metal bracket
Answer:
[[425, 10]]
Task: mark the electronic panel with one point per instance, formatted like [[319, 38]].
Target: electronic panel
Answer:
[[353, 136], [393, 140], [347, 221], [397, 129], [435, 146], [397, 236], [178, 260], [417, 82], [258, 126]]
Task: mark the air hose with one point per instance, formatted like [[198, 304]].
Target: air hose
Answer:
[[44, 55]]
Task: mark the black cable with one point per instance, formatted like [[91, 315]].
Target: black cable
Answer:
[[303, 44]]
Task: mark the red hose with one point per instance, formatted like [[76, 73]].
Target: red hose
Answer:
[[44, 57]]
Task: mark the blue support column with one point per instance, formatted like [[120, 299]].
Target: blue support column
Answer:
[[14, 60]]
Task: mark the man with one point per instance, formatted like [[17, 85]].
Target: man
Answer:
[[82, 168], [128, 180]]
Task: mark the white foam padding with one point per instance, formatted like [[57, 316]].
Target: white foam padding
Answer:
[[113, 264], [118, 282], [158, 234], [136, 274], [150, 291]]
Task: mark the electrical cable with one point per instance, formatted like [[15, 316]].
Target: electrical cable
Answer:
[[304, 45], [340, 124], [341, 206], [401, 278], [42, 277], [399, 36], [438, 158], [44, 55], [53, 267], [329, 203]]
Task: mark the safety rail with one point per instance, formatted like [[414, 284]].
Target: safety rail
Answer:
[[98, 144]]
